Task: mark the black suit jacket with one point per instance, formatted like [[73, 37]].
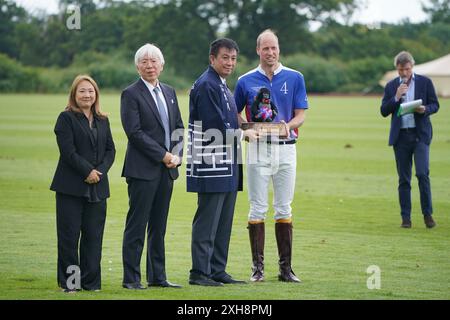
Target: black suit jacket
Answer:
[[144, 129], [424, 90], [79, 154]]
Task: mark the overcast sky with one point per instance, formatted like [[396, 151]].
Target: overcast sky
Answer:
[[391, 11]]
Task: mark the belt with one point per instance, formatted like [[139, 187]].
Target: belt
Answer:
[[408, 129], [281, 142]]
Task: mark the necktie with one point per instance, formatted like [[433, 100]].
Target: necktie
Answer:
[[164, 117], [231, 105]]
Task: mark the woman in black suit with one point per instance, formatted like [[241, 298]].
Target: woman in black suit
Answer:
[[81, 184]]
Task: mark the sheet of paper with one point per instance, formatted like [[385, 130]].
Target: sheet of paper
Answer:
[[409, 107]]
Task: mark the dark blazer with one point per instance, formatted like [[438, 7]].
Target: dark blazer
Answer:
[[79, 155], [144, 129], [212, 104], [424, 90]]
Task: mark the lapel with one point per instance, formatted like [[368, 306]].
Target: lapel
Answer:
[[417, 87], [149, 99], [229, 108], [223, 89], [84, 123], [397, 83], [101, 132], [417, 91], [170, 101]]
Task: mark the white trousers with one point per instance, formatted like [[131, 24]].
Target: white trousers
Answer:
[[274, 162]]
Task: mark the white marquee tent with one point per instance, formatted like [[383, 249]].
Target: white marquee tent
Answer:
[[437, 70]]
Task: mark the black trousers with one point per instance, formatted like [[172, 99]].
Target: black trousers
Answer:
[[149, 207], [79, 222], [211, 231]]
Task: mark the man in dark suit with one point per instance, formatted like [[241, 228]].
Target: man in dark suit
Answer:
[[152, 122], [411, 134], [213, 171]]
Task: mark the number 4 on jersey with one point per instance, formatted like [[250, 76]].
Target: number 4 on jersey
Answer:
[[284, 88]]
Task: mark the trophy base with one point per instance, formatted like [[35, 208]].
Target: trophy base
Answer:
[[267, 128]]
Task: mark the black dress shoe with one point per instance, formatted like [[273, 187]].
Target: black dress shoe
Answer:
[[133, 286], [165, 284], [406, 223], [227, 279], [429, 222], [201, 280]]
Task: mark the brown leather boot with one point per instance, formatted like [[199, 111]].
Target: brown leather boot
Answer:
[[257, 234], [283, 232]]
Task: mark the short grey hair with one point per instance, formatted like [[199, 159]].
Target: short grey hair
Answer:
[[148, 50], [403, 58]]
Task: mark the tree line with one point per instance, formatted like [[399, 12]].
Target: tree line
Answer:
[[38, 52]]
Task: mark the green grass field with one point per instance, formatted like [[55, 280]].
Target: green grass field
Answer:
[[346, 214]]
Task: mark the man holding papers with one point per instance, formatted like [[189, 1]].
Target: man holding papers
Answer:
[[411, 133]]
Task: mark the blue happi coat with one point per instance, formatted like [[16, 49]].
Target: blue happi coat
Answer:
[[214, 152]]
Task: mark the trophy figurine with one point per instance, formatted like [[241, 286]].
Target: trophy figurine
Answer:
[[263, 113], [263, 109]]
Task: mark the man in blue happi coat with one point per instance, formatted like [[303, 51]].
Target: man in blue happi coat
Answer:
[[214, 171]]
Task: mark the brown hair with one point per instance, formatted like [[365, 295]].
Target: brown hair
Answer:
[[72, 104]]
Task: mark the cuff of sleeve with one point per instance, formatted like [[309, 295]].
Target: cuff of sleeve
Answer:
[[161, 159], [87, 170]]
